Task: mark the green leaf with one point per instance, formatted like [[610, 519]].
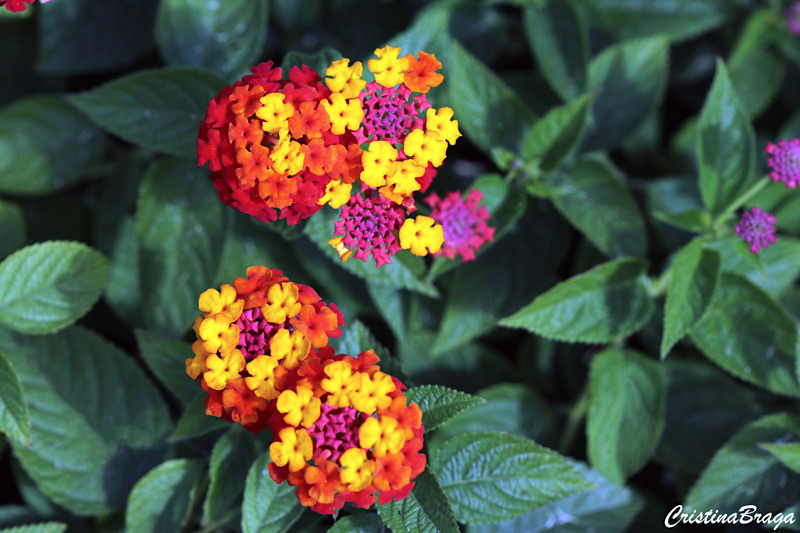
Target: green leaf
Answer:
[[43, 527], [96, 419], [690, 219], [633, 72], [157, 109], [223, 37], [268, 507], [440, 404], [774, 269], [742, 473], [750, 335], [124, 293], [609, 508], [493, 476], [678, 19], [705, 408], [358, 523], [30, 166], [609, 301], [389, 302], [181, 226], [120, 32], [725, 145], [355, 339], [694, 278], [195, 421], [13, 224], [166, 358], [559, 39], [160, 500], [404, 272], [787, 453], [555, 136], [319, 61], [626, 412], [488, 111], [597, 202], [231, 459], [426, 510], [45, 287], [14, 418]]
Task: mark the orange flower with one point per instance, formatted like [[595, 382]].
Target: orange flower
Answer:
[[324, 479], [315, 324], [320, 158], [421, 73], [245, 99], [310, 121], [277, 189], [255, 164], [245, 133]]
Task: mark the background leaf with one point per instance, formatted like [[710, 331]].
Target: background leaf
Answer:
[[166, 357], [43, 527], [426, 510], [14, 418], [554, 138], [195, 421], [440, 404], [357, 523], [160, 500], [231, 459], [223, 37], [13, 224], [47, 286], [157, 109], [788, 453], [268, 507], [626, 412]]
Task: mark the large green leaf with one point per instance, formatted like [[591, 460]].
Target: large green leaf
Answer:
[[224, 37], [358, 523], [607, 302], [95, 418], [166, 358], [630, 78], [609, 508], [555, 137], [678, 19], [13, 224], [493, 476], [14, 418], [268, 507], [750, 335], [705, 408], [488, 111], [194, 421], [788, 453], [626, 412], [597, 202], [440, 404], [124, 293], [160, 500], [231, 459], [89, 36], [405, 270], [319, 61], [742, 473], [694, 278], [181, 226], [725, 145], [559, 38], [31, 165], [45, 287], [157, 109], [426, 510], [43, 527]]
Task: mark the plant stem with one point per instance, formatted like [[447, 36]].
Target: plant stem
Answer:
[[739, 202], [575, 419]]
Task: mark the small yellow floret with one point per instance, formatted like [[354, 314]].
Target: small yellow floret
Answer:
[[421, 235]]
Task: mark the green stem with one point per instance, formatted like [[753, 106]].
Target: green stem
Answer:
[[743, 199], [574, 421], [659, 285]]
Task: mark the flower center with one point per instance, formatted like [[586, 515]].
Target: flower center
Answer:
[[334, 432], [254, 333]]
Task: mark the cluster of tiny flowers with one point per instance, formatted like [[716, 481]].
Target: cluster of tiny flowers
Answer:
[[793, 18], [784, 162], [343, 430], [18, 6], [464, 223], [300, 144], [757, 228]]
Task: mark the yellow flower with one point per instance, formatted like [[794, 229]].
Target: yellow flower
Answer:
[[356, 469], [383, 434], [380, 161], [421, 235], [295, 448], [287, 157], [275, 114], [223, 369], [343, 113], [218, 334], [336, 194], [197, 364], [369, 394], [343, 251], [262, 376], [291, 349], [338, 383], [212, 302], [425, 147], [281, 303], [440, 122], [298, 407], [345, 79], [389, 70], [403, 182]]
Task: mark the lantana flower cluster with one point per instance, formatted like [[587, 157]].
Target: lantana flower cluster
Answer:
[[18, 6], [343, 430], [292, 146]]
